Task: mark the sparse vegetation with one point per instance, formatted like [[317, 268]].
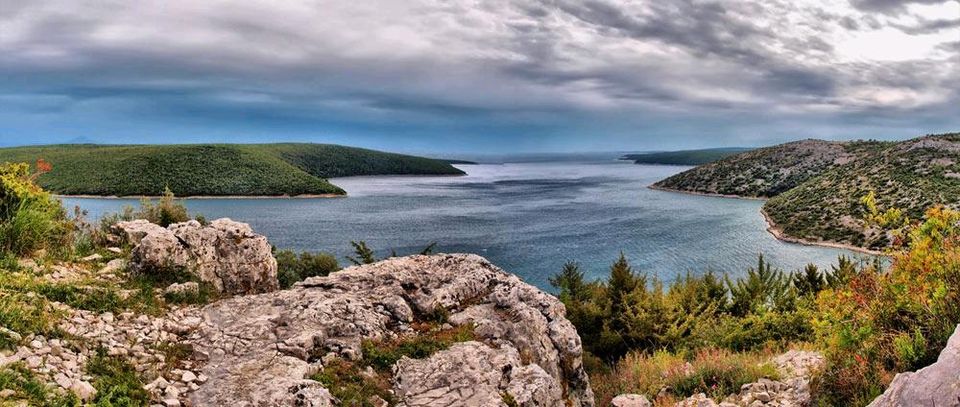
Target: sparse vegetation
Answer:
[[28, 390], [116, 381], [715, 372]]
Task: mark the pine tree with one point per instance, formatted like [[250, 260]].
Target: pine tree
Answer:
[[570, 282], [622, 282], [764, 289], [810, 281], [363, 253], [842, 273]]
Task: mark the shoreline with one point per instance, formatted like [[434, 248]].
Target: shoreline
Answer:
[[774, 230], [304, 196], [679, 191]]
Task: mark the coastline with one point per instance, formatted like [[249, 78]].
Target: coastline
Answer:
[[304, 196], [748, 198], [775, 230]]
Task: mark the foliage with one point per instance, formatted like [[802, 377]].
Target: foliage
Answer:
[[165, 212], [685, 157], [213, 169], [30, 219], [665, 376], [362, 254], [633, 311], [764, 289], [292, 268], [879, 323], [116, 381]]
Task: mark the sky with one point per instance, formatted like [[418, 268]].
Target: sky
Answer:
[[495, 76]]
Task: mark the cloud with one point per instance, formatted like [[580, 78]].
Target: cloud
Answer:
[[461, 74]]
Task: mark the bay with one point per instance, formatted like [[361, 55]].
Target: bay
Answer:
[[528, 218]]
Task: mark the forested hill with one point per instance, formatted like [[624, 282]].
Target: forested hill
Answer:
[[684, 157], [816, 186], [213, 169]]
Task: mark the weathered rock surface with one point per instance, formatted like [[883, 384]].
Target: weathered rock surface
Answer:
[[630, 400], [934, 385], [226, 254], [260, 349]]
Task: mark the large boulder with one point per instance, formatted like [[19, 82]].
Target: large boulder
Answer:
[[523, 350], [934, 385], [226, 254], [133, 231]]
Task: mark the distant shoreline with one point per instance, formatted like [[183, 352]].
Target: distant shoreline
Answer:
[[775, 230], [304, 196], [680, 191]]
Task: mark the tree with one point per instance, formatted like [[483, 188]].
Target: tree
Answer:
[[842, 273], [570, 282], [363, 253], [764, 289], [622, 282], [809, 282]]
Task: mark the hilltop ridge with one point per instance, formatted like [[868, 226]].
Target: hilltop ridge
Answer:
[[814, 187], [214, 169]]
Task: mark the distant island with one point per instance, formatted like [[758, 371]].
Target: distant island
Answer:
[[685, 157], [213, 169], [815, 187]]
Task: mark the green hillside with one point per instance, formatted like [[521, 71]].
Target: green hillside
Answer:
[[815, 186], [685, 157], [213, 169]]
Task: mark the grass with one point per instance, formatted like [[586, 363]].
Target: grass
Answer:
[[212, 169], [716, 372], [29, 390], [347, 382], [116, 381]]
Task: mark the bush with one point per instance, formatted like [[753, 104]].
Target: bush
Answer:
[[165, 212], [292, 268], [878, 324], [30, 219]]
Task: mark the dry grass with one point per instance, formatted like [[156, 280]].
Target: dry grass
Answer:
[[716, 372]]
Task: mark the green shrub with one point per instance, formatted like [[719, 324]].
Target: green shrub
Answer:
[[30, 219], [383, 354], [165, 212], [351, 386], [292, 268]]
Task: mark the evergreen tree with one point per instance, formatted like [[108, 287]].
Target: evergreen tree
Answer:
[[764, 289], [363, 253], [570, 282], [809, 281], [842, 273], [622, 282]]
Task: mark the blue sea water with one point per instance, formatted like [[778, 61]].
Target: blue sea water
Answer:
[[528, 218]]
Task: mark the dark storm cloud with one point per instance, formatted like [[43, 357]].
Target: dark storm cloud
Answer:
[[890, 6], [466, 73]]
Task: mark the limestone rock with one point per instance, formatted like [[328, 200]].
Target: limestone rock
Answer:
[[276, 340], [630, 400], [934, 385], [133, 231], [226, 254]]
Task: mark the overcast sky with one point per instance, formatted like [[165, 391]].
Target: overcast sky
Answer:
[[478, 76]]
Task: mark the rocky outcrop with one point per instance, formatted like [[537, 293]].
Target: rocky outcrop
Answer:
[[934, 385], [630, 400], [261, 349], [226, 254]]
